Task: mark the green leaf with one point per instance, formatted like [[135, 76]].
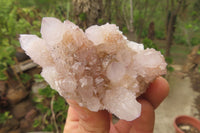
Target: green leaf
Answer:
[[38, 78], [23, 25], [169, 60], [3, 76], [170, 68], [100, 21], [37, 100], [149, 44], [160, 34], [4, 117], [25, 77], [3, 66], [198, 52], [10, 61], [36, 123], [41, 107], [6, 51], [82, 16], [125, 29], [49, 112], [59, 105], [162, 51], [47, 91], [49, 127], [6, 54]]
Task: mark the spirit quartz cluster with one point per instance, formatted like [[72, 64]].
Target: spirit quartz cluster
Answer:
[[99, 68]]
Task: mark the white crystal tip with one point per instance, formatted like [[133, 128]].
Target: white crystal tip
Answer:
[[26, 40]]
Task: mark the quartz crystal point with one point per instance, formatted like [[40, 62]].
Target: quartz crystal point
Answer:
[[99, 68]]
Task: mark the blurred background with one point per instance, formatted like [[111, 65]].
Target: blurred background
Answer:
[[27, 103]]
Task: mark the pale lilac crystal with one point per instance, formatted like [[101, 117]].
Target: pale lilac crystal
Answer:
[[99, 69]]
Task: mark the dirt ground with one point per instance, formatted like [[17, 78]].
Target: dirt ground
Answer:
[[184, 96], [181, 101], [195, 81]]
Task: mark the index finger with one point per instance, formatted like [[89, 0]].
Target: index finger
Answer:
[[157, 91]]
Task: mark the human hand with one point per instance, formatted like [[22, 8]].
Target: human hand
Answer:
[[81, 120]]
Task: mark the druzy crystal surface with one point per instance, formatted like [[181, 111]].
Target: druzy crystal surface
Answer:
[[99, 68]]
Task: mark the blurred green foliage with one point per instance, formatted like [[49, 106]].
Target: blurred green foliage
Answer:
[[48, 101], [180, 40], [149, 44], [24, 17], [47, 92], [125, 30], [82, 16], [4, 117], [198, 52], [101, 21], [3, 76], [57, 106], [25, 78], [38, 78], [169, 61], [160, 34], [6, 54]]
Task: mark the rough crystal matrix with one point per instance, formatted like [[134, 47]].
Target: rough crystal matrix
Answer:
[[99, 68]]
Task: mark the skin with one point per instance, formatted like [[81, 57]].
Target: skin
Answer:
[[81, 120]]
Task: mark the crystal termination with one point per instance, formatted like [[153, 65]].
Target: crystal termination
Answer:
[[99, 68]]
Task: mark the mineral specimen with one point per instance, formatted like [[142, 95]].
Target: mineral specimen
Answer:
[[99, 68]]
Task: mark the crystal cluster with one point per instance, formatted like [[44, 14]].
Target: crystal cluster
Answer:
[[99, 68]]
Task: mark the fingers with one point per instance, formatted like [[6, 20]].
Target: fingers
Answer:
[[87, 121], [122, 126], [157, 91], [71, 122], [155, 94], [143, 124]]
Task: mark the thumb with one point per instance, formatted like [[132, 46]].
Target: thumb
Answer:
[[87, 121]]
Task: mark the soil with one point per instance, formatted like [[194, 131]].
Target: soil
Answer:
[[194, 75], [186, 128], [184, 89], [182, 55], [16, 99], [197, 106], [195, 80]]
